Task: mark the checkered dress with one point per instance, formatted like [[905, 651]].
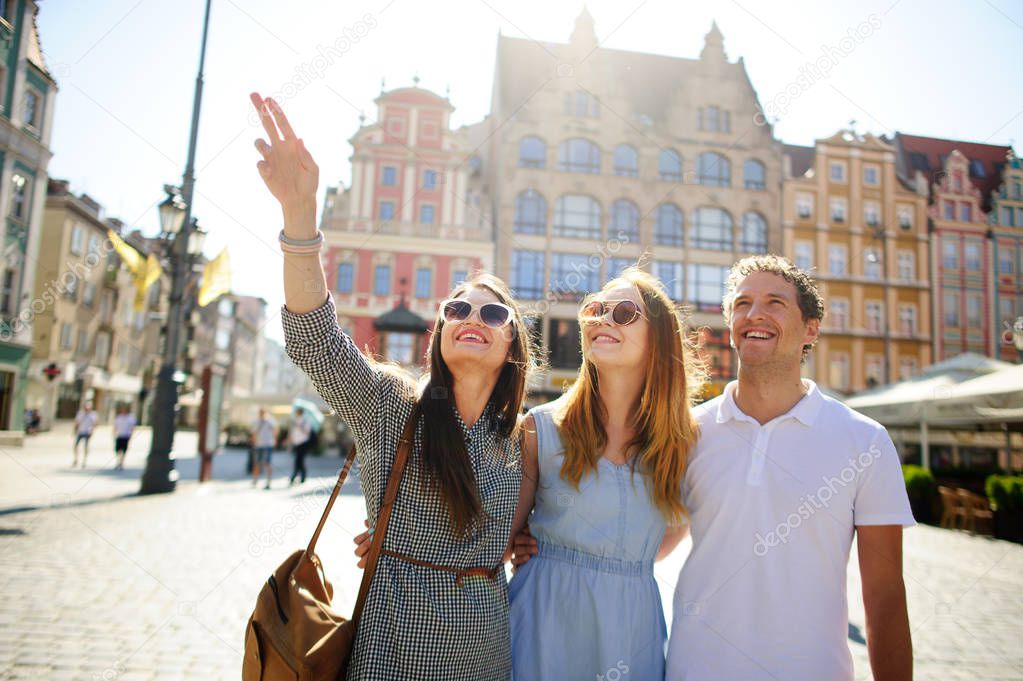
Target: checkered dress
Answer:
[[417, 623]]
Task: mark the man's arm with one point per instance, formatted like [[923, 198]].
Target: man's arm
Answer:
[[889, 644]]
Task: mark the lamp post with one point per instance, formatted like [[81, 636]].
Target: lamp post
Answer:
[[176, 223], [879, 234]]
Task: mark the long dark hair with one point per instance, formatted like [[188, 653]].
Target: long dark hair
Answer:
[[444, 454]]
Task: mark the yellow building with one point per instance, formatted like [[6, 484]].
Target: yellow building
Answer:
[[862, 233], [595, 157], [85, 325]]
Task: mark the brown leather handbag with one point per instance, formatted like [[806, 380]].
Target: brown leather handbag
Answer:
[[294, 633]]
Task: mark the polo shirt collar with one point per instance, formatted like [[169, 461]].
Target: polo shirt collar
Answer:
[[805, 411]]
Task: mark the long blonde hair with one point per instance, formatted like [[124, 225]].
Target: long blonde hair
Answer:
[[666, 430]]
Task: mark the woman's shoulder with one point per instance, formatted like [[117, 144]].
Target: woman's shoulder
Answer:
[[547, 410]]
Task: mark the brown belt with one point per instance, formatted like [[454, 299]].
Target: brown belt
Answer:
[[489, 573]]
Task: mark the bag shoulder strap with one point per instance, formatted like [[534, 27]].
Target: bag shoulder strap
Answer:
[[384, 515]]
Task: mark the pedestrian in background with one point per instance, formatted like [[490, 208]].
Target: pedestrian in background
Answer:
[[264, 434], [299, 434], [85, 423], [124, 425]]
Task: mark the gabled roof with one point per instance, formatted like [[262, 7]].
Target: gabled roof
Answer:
[[928, 155], [400, 319], [800, 158], [650, 82]]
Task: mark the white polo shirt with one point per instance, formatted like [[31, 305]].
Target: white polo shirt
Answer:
[[773, 509]]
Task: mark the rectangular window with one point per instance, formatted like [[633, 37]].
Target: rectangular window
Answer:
[[950, 301], [875, 316], [83, 343], [838, 210], [426, 214], [872, 213], [905, 216], [1006, 220], [974, 308], [32, 108], [670, 274], [457, 277], [870, 175], [65, 336], [872, 263], [907, 266], [1005, 264], [382, 280], [907, 319], [8, 295], [615, 266], [804, 255], [102, 353], [971, 256], [907, 368], [88, 293], [950, 210], [19, 196], [965, 212], [706, 286], [563, 340], [424, 282], [804, 205], [387, 210], [874, 370], [838, 172], [527, 275], [837, 259], [950, 253], [390, 176], [573, 276], [839, 313], [1006, 314], [838, 373], [77, 240], [345, 278], [429, 179]]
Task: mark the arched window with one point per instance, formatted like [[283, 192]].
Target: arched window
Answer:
[[624, 221], [577, 216], [753, 175], [578, 155], [754, 233], [669, 166], [530, 213], [714, 170], [532, 153], [626, 161], [712, 230], [668, 231]]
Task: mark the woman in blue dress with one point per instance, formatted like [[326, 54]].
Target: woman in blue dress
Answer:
[[602, 475]]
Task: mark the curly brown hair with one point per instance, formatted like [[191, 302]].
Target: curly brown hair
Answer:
[[808, 296]]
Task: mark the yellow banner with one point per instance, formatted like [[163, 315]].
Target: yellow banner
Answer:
[[216, 279]]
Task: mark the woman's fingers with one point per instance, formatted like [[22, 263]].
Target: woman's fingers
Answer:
[[264, 169], [282, 120], [264, 117], [263, 148]]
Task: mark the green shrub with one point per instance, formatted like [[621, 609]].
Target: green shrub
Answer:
[[922, 491], [1005, 492]]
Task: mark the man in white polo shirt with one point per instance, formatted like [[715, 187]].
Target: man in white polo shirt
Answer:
[[781, 481]]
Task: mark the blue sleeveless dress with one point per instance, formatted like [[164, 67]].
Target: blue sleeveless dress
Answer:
[[587, 606]]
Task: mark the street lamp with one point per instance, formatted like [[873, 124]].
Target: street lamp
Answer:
[[181, 231], [878, 232]]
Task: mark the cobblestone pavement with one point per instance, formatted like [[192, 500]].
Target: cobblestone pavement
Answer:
[[99, 583]]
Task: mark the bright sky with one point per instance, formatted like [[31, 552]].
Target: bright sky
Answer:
[[126, 71]]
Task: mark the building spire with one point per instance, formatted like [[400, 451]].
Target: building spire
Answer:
[[714, 44], [584, 37]]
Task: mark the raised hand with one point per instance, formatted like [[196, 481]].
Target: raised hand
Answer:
[[287, 167]]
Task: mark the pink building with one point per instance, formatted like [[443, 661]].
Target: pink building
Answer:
[[409, 227]]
